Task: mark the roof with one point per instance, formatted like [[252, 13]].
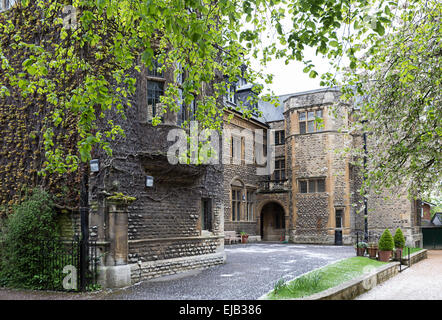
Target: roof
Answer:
[[437, 219], [270, 112], [429, 203]]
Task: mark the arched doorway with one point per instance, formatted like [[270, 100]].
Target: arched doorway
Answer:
[[272, 222]]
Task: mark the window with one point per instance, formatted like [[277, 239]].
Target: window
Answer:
[[154, 71], [206, 214], [155, 89], [236, 148], [311, 185], [338, 216], [6, 4], [279, 137], [303, 186], [307, 121], [236, 204], [250, 205], [230, 95], [279, 173]]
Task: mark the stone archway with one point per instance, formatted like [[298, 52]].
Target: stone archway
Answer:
[[272, 222]]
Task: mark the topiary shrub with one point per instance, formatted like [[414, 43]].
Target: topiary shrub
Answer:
[[399, 239], [24, 235], [386, 242]]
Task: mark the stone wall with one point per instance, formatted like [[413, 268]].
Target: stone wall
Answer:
[[154, 269], [244, 174], [164, 222], [316, 155]]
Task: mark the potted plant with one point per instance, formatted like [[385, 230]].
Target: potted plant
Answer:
[[399, 243], [385, 245], [244, 237], [372, 250], [360, 248]]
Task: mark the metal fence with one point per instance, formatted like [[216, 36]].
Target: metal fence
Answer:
[[59, 265]]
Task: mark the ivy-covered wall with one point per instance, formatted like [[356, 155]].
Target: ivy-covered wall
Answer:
[[22, 118]]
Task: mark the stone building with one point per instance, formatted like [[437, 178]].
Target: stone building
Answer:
[[176, 221], [312, 195]]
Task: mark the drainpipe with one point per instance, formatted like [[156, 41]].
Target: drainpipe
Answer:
[[84, 221], [363, 178]]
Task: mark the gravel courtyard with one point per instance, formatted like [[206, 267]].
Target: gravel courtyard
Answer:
[[250, 272]]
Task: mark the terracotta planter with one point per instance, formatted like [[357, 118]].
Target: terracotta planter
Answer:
[[384, 255], [360, 252], [244, 239], [372, 252]]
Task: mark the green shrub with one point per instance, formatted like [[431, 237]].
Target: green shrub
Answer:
[[30, 226], [386, 242], [399, 239]]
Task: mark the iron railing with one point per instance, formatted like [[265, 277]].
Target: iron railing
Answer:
[[401, 260], [58, 265], [273, 185]]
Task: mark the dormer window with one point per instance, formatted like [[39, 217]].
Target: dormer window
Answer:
[[230, 95]]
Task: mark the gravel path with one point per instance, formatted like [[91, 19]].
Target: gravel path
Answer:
[[423, 281], [250, 272]]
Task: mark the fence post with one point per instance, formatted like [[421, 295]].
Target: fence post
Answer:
[[84, 250]]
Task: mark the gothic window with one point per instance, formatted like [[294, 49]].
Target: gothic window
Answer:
[[237, 195], [250, 205]]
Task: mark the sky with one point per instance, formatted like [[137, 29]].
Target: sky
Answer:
[[290, 78]]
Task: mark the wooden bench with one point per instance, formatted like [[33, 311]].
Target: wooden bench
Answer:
[[231, 237]]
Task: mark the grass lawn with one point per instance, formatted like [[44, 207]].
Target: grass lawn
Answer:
[[412, 250], [322, 279]]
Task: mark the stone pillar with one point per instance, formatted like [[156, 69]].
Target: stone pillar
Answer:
[[116, 272]]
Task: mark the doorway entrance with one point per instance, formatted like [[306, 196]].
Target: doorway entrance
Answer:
[[272, 222]]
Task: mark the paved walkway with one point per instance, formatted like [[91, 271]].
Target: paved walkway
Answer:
[[423, 281], [250, 271]]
